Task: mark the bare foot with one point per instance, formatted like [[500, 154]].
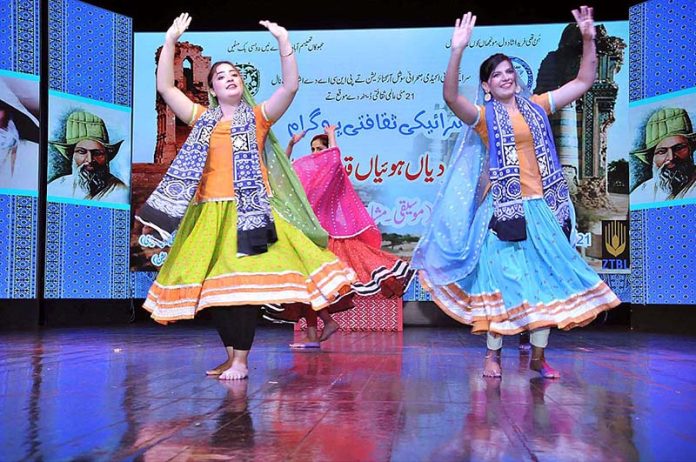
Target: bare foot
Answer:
[[312, 336], [538, 363], [217, 370], [543, 368], [491, 366], [235, 372], [330, 328]]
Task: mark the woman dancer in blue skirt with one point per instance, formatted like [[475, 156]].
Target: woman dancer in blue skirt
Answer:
[[499, 252]]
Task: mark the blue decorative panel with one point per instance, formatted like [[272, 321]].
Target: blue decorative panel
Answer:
[[87, 252], [18, 246], [416, 293], [90, 52], [662, 243], [90, 69], [19, 36], [662, 62], [19, 54], [662, 48], [669, 270]]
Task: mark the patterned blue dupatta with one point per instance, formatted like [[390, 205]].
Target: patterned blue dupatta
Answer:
[[508, 221], [165, 208], [465, 209]]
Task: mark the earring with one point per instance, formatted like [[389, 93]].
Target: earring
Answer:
[[517, 90], [487, 97]]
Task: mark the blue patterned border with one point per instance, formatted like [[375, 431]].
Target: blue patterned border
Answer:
[[56, 45], [54, 255], [638, 263], [123, 60], [120, 257], [24, 248], [18, 246], [20, 40], [141, 282], [636, 30], [27, 20]]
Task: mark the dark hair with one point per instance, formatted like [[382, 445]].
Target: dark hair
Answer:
[[213, 71], [489, 65], [323, 138]]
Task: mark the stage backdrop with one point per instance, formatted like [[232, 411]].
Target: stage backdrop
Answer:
[[19, 146], [663, 205], [90, 81], [394, 130]]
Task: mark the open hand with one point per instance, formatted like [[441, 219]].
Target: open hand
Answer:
[[297, 137], [178, 27], [279, 32], [462, 31], [585, 21]]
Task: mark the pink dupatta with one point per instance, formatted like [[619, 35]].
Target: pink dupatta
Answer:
[[333, 199]]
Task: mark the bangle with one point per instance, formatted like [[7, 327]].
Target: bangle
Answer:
[[285, 56]]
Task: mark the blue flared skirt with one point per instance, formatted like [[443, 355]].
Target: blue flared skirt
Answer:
[[517, 286]]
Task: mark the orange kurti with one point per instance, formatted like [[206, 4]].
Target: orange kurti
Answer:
[[217, 179], [530, 178]]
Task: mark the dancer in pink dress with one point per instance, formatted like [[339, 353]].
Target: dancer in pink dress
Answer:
[[353, 234]]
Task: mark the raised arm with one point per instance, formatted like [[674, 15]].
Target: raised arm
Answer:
[[462, 107], [588, 63], [280, 100], [330, 131], [294, 139], [175, 98]]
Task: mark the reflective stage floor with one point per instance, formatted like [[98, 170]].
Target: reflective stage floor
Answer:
[[139, 393]]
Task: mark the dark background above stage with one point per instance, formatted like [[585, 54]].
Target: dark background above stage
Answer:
[[234, 15]]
